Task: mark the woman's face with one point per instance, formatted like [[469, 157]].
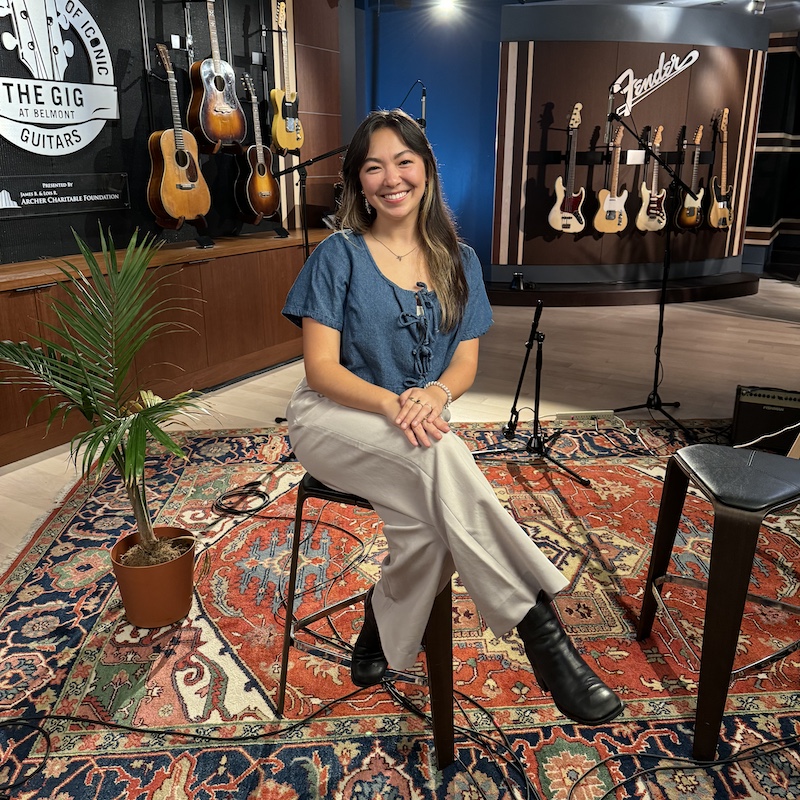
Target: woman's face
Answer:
[[392, 176]]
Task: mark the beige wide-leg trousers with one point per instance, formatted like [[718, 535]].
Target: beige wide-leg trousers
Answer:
[[439, 514]]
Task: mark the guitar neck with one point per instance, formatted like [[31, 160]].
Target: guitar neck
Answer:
[[257, 130], [654, 188], [286, 74], [695, 166], [615, 170], [573, 147], [176, 113], [212, 32], [724, 174]]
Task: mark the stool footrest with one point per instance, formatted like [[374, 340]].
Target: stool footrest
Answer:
[[696, 583]]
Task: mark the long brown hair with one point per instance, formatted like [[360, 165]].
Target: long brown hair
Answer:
[[434, 222]]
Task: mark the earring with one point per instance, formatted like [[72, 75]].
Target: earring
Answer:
[[367, 206]]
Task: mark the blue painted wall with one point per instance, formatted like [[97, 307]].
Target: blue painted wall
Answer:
[[457, 59]]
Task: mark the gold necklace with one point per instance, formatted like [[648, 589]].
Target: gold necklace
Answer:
[[399, 258]]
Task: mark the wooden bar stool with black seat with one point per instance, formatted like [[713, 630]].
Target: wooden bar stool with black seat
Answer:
[[743, 486], [438, 641]]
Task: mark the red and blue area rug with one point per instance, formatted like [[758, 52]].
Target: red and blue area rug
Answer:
[[194, 703]]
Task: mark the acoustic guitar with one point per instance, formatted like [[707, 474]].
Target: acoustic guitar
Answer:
[[652, 215], [690, 213], [720, 208], [567, 212], [256, 190], [215, 114], [287, 131], [611, 217], [177, 192]]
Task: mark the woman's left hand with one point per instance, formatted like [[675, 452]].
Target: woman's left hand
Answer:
[[420, 416]]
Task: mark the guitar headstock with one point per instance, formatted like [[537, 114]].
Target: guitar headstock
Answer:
[[281, 15], [163, 54], [575, 117], [618, 136], [698, 136], [249, 86], [723, 124], [658, 136]]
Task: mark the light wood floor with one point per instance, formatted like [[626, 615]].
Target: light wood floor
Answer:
[[593, 359]]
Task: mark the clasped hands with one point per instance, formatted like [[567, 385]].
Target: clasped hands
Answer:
[[420, 416]]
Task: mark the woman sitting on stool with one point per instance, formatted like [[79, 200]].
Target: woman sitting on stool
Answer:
[[391, 307]]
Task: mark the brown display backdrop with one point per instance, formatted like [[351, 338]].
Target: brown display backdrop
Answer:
[[542, 82]]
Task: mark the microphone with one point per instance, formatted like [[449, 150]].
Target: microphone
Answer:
[[614, 117], [422, 118], [510, 431]]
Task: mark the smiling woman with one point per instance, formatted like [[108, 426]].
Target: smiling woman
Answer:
[[392, 307]]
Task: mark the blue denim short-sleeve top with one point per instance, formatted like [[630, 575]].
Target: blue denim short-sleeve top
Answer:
[[390, 336]]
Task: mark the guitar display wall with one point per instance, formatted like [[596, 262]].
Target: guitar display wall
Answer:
[[542, 82], [247, 34]]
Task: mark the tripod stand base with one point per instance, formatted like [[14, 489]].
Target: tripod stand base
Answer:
[[536, 447], [654, 403]]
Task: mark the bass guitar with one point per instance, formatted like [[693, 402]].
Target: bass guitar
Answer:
[[215, 114], [720, 209], [567, 212], [256, 190], [177, 192], [652, 216], [287, 132], [611, 217], [690, 213]]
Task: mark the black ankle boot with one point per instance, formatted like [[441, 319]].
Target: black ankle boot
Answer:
[[577, 692], [368, 665]]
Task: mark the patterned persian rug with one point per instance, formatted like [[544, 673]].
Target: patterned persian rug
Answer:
[[192, 705]]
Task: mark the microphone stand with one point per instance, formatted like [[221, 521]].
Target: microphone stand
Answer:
[[302, 172], [654, 401], [536, 445]]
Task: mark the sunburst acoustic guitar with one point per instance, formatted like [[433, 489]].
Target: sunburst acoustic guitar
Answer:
[[215, 114], [177, 192], [257, 192]]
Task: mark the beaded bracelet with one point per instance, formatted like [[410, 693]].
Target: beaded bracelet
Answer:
[[444, 389]]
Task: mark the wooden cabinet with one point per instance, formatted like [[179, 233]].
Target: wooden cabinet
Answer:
[[225, 324]]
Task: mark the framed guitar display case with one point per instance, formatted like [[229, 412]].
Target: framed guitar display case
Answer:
[[705, 74]]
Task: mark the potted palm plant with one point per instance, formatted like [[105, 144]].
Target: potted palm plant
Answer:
[[84, 363]]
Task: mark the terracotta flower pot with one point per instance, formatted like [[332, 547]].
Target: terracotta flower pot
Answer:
[[156, 595]]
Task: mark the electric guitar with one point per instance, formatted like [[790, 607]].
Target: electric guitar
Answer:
[[176, 190], [720, 210], [567, 213], [215, 114], [652, 216], [287, 132], [256, 190], [690, 214], [611, 217]]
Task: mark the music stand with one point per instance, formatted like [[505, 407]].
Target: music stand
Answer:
[[654, 401], [537, 445]]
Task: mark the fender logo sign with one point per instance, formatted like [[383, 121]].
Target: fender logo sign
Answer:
[[42, 112], [636, 89]]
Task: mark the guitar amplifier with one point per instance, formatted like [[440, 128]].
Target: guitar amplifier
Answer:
[[760, 411]]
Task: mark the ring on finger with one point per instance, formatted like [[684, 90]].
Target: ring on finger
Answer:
[[415, 400]]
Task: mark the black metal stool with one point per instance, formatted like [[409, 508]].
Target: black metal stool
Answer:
[[438, 639], [743, 486]]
